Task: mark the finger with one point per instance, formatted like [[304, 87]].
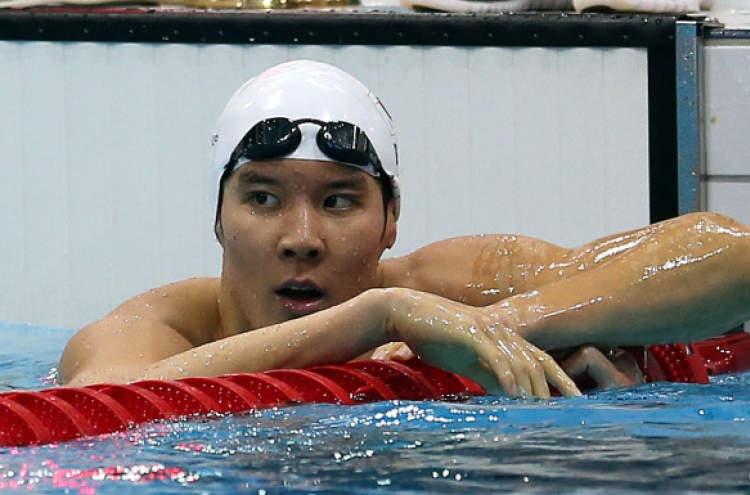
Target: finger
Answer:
[[522, 364], [606, 374], [517, 359], [382, 353], [403, 353], [387, 351], [379, 354], [576, 365], [559, 379], [528, 372], [592, 362], [538, 379], [498, 357], [533, 370], [485, 376], [523, 380], [627, 365]]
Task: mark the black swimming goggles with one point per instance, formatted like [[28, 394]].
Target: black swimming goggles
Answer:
[[280, 136]]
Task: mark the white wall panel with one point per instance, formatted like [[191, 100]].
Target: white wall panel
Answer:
[[727, 138], [730, 198], [727, 103], [103, 153]]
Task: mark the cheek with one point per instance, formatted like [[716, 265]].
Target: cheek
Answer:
[[247, 243], [362, 254]]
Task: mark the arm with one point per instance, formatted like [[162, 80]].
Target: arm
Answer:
[[680, 280], [447, 333], [677, 281]]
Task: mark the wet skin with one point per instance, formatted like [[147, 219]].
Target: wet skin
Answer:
[[298, 237], [300, 286], [306, 237]]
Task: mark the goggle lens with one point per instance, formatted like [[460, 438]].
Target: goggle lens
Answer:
[[279, 136]]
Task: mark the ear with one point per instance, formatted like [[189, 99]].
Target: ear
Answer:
[[391, 228], [219, 230]]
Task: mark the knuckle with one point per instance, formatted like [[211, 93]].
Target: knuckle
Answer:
[[589, 352]]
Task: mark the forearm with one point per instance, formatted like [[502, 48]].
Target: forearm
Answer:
[[683, 281], [335, 335]]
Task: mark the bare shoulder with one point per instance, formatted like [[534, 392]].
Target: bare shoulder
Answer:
[[150, 327], [478, 270], [190, 307]]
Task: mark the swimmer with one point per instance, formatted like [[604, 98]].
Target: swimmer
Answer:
[[308, 198]]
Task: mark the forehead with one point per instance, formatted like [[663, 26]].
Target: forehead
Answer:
[[302, 171]]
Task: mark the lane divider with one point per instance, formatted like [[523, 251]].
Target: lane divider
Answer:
[[66, 413]]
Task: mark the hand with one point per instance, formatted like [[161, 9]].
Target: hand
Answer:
[[478, 343], [616, 369], [393, 351]]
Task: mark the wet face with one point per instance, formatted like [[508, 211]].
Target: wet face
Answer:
[[299, 236]]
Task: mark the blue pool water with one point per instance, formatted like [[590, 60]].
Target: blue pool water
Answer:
[[657, 438]]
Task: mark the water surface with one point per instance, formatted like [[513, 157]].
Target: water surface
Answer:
[[656, 438]]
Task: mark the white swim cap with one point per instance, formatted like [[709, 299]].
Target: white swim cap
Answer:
[[304, 89]]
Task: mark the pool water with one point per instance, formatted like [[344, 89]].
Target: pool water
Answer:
[[656, 438]]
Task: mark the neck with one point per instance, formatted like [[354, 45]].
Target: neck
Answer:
[[233, 322]]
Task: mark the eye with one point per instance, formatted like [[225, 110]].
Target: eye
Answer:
[[338, 202], [261, 198]]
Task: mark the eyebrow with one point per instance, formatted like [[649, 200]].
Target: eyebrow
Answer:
[[354, 182], [252, 177]]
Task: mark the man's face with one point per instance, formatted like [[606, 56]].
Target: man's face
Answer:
[[300, 236]]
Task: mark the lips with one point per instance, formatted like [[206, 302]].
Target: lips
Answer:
[[300, 297]]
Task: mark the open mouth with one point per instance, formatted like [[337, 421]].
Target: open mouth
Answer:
[[301, 291]]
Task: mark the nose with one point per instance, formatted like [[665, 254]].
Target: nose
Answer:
[[303, 236]]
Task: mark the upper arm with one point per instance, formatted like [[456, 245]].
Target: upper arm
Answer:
[[477, 270], [144, 330], [114, 350]]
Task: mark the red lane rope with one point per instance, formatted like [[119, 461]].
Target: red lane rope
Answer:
[[66, 413]]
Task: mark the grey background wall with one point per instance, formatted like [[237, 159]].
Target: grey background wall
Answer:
[[103, 152]]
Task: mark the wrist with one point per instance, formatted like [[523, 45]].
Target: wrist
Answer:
[[517, 314], [395, 302]]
